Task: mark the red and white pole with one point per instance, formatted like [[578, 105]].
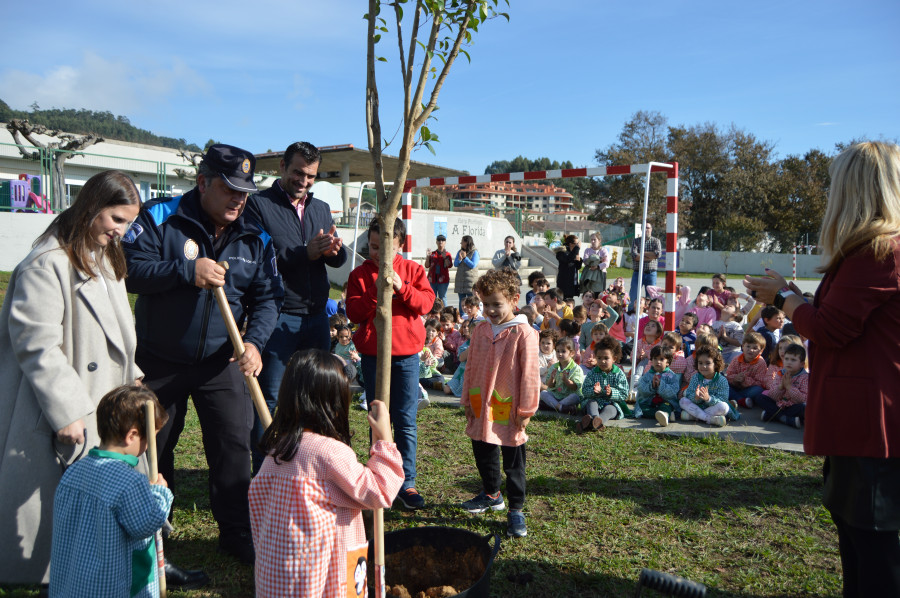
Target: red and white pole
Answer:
[[795, 263], [671, 245], [406, 216]]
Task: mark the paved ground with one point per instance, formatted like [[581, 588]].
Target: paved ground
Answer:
[[747, 430]]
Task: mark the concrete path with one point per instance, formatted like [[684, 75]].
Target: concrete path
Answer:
[[748, 430]]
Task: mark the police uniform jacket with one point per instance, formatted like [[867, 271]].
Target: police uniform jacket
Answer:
[[178, 321]]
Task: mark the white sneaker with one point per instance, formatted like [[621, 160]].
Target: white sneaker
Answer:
[[686, 417], [718, 420], [363, 404], [663, 418], [748, 402], [423, 399]]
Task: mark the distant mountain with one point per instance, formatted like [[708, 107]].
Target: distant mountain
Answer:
[[105, 124]]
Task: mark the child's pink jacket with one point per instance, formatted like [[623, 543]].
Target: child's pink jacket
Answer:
[[754, 371], [705, 315], [501, 383], [305, 514]]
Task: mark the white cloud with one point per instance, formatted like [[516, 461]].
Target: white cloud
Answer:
[[97, 83]]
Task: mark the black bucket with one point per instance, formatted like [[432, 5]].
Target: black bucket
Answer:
[[444, 538]]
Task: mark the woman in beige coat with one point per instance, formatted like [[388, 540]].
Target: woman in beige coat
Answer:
[[66, 338]]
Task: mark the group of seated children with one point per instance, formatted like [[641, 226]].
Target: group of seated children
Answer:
[[705, 370]]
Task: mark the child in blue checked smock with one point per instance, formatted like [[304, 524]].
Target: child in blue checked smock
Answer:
[[657, 390], [105, 513], [605, 389], [706, 397]]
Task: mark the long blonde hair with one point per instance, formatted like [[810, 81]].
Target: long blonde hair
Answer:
[[863, 203]]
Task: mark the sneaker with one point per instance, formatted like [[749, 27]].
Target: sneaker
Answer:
[[718, 420], [411, 499], [795, 421], [663, 418], [748, 403], [515, 524], [686, 417], [363, 404], [762, 416], [483, 502], [423, 402]]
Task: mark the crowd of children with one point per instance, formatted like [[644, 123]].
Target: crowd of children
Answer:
[[505, 360]]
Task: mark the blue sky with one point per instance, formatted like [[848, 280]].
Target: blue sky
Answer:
[[558, 80]]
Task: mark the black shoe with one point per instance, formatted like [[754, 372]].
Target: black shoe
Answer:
[[185, 579], [239, 545]]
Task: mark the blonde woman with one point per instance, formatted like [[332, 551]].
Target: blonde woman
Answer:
[[853, 327]]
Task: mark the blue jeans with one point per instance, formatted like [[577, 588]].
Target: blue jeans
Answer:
[[649, 280], [292, 333], [752, 392], [440, 290], [403, 408]]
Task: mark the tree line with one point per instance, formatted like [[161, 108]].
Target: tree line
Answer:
[[734, 193], [82, 122]]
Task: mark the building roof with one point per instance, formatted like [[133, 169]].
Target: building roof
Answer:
[[360, 161]]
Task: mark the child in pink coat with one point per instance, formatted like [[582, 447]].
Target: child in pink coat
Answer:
[[306, 500], [501, 391]]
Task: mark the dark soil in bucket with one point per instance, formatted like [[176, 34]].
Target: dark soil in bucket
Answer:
[[430, 572]]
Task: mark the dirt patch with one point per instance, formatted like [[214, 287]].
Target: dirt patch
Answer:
[[429, 572]]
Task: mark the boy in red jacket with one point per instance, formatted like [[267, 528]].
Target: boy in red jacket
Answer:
[[413, 298]]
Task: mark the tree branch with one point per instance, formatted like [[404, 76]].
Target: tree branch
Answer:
[[460, 36]]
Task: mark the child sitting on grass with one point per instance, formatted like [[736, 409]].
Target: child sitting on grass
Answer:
[[785, 399], [706, 397], [454, 385], [773, 322], [346, 350], [561, 388], [500, 394], [546, 352], [747, 374], [705, 313], [307, 498], [569, 329], [672, 340], [105, 514], [687, 329], [730, 333], [605, 390], [657, 390]]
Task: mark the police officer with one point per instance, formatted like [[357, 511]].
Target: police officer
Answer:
[[183, 346]]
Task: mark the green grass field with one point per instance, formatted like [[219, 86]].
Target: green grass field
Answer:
[[745, 521]]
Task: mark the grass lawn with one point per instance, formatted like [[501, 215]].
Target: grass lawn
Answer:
[[743, 520]]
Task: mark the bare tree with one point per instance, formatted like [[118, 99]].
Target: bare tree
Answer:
[[67, 146], [194, 158], [446, 25]]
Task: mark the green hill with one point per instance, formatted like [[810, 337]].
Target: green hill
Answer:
[[82, 121]]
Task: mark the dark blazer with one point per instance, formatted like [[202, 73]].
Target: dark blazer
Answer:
[[853, 328], [306, 283]]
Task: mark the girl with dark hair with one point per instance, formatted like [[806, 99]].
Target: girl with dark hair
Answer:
[[306, 500], [66, 339]]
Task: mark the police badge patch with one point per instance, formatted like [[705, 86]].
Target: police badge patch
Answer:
[[191, 249], [133, 232]]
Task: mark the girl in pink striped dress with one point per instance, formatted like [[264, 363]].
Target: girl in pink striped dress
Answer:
[[306, 500]]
